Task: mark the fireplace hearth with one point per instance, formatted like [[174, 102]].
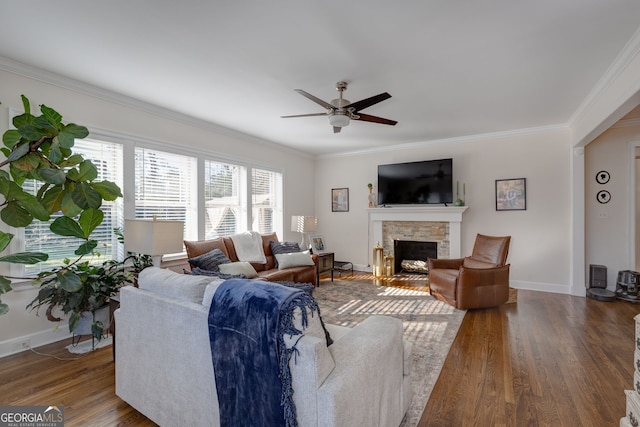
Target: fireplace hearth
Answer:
[[411, 256]]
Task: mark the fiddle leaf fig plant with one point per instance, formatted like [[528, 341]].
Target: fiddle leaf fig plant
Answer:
[[40, 149]]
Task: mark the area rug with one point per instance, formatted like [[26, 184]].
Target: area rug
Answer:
[[429, 324]]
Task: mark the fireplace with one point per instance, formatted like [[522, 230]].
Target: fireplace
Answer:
[[411, 256]]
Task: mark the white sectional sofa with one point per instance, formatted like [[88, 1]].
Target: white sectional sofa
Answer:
[[164, 367]]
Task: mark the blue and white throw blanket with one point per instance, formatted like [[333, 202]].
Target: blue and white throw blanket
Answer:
[[248, 320]]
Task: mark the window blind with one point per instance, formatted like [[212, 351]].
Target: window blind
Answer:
[[224, 206], [266, 200], [165, 187], [107, 157]]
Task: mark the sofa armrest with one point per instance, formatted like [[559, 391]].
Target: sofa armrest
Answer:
[[448, 264], [373, 346]]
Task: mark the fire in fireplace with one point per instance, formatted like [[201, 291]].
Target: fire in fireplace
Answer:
[[411, 256]]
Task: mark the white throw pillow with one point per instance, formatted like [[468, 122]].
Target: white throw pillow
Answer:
[[169, 283], [236, 268], [294, 259]]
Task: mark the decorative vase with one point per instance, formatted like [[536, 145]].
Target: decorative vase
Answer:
[[372, 198]]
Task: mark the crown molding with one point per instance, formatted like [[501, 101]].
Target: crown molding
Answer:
[[460, 139], [622, 61], [64, 82]]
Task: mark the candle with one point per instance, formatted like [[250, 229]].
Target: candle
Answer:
[[457, 188]]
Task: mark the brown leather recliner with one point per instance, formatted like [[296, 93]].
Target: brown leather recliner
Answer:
[[478, 281]]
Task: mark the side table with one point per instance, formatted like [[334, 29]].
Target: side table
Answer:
[[325, 263]]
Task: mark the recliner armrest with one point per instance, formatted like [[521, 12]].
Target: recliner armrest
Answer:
[[482, 287], [449, 264], [483, 276]]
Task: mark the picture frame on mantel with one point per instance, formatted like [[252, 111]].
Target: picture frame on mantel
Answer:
[[511, 194], [340, 200]]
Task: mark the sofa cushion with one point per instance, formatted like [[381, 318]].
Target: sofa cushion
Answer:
[[294, 259], [169, 283], [283, 248], [239, 268], [199, 247], [210, 261]]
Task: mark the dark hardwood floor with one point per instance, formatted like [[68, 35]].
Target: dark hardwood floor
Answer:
[[547, 360]]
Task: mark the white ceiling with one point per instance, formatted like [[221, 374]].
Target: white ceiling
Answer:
[[453, 68]]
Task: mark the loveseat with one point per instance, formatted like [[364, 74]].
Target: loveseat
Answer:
[[164, 364], [268, 271]]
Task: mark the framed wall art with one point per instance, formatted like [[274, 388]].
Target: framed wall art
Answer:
[[511, 194], [340, 200]]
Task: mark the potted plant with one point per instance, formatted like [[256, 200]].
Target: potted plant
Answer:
[[40, 149], [80, 290]]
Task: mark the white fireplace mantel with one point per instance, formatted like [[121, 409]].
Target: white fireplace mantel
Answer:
[[450, 214]]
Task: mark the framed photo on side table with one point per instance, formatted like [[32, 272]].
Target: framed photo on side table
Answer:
[[317, 244], [340, 200], [511, 194]]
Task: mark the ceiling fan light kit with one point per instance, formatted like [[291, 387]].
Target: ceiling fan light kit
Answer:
[[341, 111], [339, 120]]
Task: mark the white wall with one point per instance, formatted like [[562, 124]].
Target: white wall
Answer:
[[540, 248], [608, 236], [117, 114]]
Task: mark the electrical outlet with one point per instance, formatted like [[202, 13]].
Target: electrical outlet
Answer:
[[22, 345], [603, 215]]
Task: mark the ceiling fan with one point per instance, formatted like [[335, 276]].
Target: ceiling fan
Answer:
[[340, 111]]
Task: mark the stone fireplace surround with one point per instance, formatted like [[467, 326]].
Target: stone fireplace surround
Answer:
[[418, 221]]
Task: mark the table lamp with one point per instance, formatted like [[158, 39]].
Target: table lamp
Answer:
[[153, 237], [304, 224]]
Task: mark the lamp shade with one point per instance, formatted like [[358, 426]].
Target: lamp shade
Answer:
[[153, 237], [304, 224]]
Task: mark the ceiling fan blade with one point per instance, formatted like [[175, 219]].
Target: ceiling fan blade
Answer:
[[375, 119], [362, 104], [316, 100], [336, 129], [304, 115]]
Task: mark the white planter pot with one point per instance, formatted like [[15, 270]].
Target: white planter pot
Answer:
[[86, 320]]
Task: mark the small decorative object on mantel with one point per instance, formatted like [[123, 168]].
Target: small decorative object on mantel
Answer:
[[371, 196], [459, 201]]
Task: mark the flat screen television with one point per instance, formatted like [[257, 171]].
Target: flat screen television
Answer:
[[416, 183]]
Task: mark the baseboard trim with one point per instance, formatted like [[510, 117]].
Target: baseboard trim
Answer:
[[542, 287], [37, 339]]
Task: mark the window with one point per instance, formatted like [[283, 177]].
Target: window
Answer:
[[266, 200], [165, 187], [225, 210], [107, 157], [231, 198]]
